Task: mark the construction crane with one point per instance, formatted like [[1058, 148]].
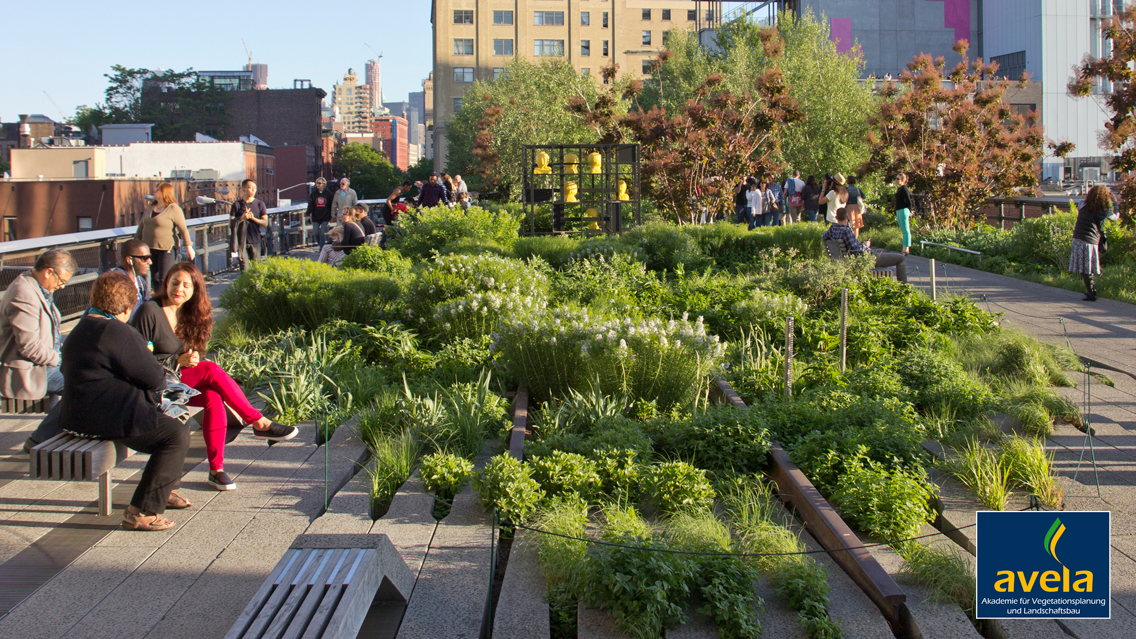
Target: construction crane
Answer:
[[249, 53], [372, 49], [64, 118]]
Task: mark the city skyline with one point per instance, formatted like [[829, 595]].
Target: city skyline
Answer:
[[71, 70]]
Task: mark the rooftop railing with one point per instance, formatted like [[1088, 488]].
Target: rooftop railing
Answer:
[[97, 251]]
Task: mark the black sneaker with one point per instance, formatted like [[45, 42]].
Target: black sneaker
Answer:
[[277, 432], [221, 481]]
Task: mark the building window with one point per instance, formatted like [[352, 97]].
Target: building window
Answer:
[[605, 19], [548, 47], [463, 74], [648, 65], [605, 47], [1023, 109], [9, 229], [646, 14], [462, 46], [498, 72], [585, 71], [666, 14], [548, 18], [457, 104], [585, 47], [502, 17], [80, 169], [691, 15], [585, 18], [646, 37], [1011, 65], [502, 47], [85, 223], [463, 16]]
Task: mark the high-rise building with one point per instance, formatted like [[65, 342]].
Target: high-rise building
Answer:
[[474, 39], [352, 102], [392, 130], [373, 76]]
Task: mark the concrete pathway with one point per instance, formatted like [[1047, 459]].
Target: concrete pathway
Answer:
[[1105, 332]]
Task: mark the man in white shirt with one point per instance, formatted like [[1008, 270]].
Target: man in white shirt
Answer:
[[794, 203]]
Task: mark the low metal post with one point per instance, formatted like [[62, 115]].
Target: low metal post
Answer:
[[843, 330], [788, 357], [1002, 215], [934, 293]]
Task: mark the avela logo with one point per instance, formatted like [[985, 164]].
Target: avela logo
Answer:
[[1050, 580]]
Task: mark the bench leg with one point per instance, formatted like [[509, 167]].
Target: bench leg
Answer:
[[105, 504]]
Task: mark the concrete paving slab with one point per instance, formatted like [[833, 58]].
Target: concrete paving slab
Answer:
[[1121, 626], [1033, 629], [409, 523], [522, 611], [697, 626], [86, 582], [776, 619], [593, 623], [349, 512]]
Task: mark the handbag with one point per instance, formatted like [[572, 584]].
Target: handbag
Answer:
[[795, 199]]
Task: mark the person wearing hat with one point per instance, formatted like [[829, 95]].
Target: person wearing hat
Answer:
[[835, 199]]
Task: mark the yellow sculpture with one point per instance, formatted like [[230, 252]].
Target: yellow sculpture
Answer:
[[595, 161], [570, 189], [542, 167], [571, 161], [623, 196], [595, 225]]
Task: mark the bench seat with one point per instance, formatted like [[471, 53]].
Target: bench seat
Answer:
[[67, 457]]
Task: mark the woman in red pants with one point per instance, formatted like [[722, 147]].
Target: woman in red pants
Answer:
[[178, 320]]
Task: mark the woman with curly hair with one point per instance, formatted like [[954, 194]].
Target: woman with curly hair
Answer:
[[178, 320], [1088, 235]]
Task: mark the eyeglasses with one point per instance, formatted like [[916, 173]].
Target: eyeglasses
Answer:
[[144, 258], [62, 282]]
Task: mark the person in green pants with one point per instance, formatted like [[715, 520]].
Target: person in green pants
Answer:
[[903, 211]]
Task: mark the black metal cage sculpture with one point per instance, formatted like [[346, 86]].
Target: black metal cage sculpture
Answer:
[[587, 188]]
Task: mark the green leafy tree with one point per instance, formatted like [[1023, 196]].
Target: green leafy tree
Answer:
[[1119, 135], [825, 84], [524, 105], [959, 142], [421, 170], [369, 170]]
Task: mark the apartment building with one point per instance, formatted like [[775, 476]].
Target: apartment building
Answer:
[[352, 101], [474, 39]]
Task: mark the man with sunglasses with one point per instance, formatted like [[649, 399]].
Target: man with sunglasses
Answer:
[[30, 337], [134, 260]]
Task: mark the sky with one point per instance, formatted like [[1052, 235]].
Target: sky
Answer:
[[66, 46]]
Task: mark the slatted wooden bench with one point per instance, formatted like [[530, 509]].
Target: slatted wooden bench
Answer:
[[9, 406], [324, 587], [836, 252], [67, 457]]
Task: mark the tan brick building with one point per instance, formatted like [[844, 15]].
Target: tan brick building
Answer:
[[474, 39]]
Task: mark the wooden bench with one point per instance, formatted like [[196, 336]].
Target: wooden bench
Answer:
[[836, 252], [67, 457], [24, 406], [323, 587]]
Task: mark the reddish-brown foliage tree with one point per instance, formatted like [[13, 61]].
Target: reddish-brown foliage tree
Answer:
[[1120, 130], [715, 141], [955, 137]]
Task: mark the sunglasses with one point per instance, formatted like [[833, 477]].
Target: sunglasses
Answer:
[[144, 258]]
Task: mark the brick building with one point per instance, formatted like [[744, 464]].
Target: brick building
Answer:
[[393, 131], [282, 118]]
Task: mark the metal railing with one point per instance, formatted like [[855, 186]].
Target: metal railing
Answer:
[[923, 244], [97, 251], [1018, 206]]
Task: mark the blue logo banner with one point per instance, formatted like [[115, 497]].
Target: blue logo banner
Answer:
[[1043, 565]]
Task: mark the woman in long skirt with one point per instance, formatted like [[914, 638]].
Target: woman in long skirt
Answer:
[[1087, 235]]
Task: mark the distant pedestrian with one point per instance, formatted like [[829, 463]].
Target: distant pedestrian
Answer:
[[448, 183], [1089, 237], [903, 206], [388, 208], [344, 198], [769, 201], [250, 215], [134, 260], [840, 232], [754, 206], [778, 202], [365, 220], [433, 193], [460, 185], [319, 210], [810, 196], [162, 218], [741, 206], [345, 238], [835, 198], [794, 202], [464, 201]]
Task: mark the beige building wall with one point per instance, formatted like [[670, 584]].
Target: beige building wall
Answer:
[[353, 99], [59, 162], [455, 67]]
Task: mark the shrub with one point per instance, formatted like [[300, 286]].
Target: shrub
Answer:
[[507, 485], [643, 590], [1047, 239], [430, 230], [816, 281], [377, 260], [619, 473], [561, 473], [722, 439], [677, 486], [618, 283], [768, 312], [935, 381], [279, 293], [554, 249], [888, 503], [664, 246], [444, 474], [454, 277]]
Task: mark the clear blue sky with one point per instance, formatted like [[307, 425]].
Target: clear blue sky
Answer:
[[64, 47]]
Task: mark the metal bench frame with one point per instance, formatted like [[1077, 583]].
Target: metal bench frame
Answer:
[[67, 457]]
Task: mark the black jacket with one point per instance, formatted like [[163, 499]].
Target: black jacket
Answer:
[[319, 205], [1090, 225], [903, 199], [108, 375]]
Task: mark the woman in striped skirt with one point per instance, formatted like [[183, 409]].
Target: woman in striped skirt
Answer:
[[1088, 233]]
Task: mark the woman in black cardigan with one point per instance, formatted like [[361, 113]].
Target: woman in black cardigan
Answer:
[[1088, 233], [111, 381]]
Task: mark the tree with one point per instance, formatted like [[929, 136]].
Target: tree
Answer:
[[369, 170], [421, 170], [524, 105], [825, 84], [1119, 135], [959, 142]]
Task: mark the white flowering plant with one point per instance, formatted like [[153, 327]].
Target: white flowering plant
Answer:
[[453, 277], [768, 311], [478, 314]]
